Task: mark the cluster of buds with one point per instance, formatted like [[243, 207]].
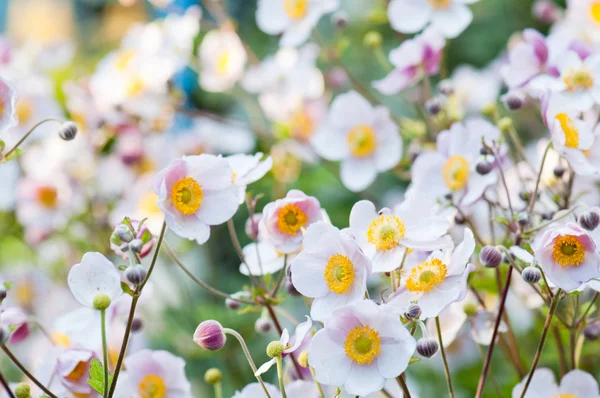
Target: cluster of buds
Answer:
[[131, 240]]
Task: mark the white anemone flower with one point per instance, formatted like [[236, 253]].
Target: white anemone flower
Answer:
[[222, 60], [95, 275], [576, 383]]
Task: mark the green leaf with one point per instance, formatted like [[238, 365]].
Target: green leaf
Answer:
[[122, 267], [126, 289], [8, 285], [14, 154], [413, 360], [96, 373]]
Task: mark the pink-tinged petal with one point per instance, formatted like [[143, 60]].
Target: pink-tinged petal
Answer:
[[210, 171], [364, 379], [453, 288], [299, 335], [398, 80], [188, 227], [328, 358], [308, 274], [409, 16], [555, 272], [357, 174], [452, 21], [218, 206], [579, 384], [537, 40], [409, 54], [403, 297]]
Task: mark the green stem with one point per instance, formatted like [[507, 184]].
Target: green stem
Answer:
[[104, 352], [218, 390], [280, 376], [29, 133], [321, 393], [446, 368]]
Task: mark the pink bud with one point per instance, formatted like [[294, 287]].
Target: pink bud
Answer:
[[210, 335]]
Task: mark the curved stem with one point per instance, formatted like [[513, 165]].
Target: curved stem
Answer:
[[403, 386], [240, 339], [238, 249], [6, 386], [540, 347], [104, 352], [280, 376], [446, 368], [27, 373], [14, 148], [321, 393]]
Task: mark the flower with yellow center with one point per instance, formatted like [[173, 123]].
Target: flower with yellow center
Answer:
[[439, 4], [61, 339], [568, 251], [595, 11], [569, 129], [24, 110], [79, 370], [290, 219], [123, 59], [362, 345], [362, 141], [565, 396], [339, 274], [301, 126], [426, 276], [576, 80], [186, 195], [152, 386], [47, 196], [385, 232], [135, 87], [295, 9], [456, 172], [222, 62]]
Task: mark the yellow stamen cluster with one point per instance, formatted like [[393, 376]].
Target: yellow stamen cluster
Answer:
[[152, 386], [123, 59], [79, 370], [147, 204], [569, 129], [61, 339], [135, 87], [24, 110], [437, 4], [47, 196], [339, 274], [568, 251], [456, 172], [362, 345], [223, 60], [301, 126], [385, 232], [565, 396], [362, 141], [426, 276], [295, 9], [187, 195], [290, 219], [595, 11], [578, 80]]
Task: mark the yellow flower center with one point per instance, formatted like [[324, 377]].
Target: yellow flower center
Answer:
[[47, 196], [135, 87], [222, 62], [565, 396], [301, 126], [437, 4], [1, 107], [385, 232], [295, 9], [152, 386], [426, 276], [123, 59], [61, 339], [290, 219], [362, 345], [568, 251], [569, 129], [24, 292], [362, 141], [578, 80], [339, 274], [147, 204], [187, 195], [78, 371], [24, 110], [456, 172], [595, 11]]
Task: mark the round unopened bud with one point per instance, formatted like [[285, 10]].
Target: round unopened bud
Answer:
[[291, 289], [101, 301], [505, 124], [446, 87], [263, 326], [531, 274], [459, 219], [68, 131], [213, 376], [136, 245], [232, 304], [490, 256], [22, 390], [124, 247], [413, 312], [470, 309], [4, 334], [489, 109], [589, 220], [136, 325], [210, 335], [592, 331], [124, 233], [485, 151], [433, 106], [513, 100], [303, 359], [427, 347], [523, 219], [546, 11], [275, 349], [372, 39], [484, 167], [547, 215], [135, 274], [559, 171]]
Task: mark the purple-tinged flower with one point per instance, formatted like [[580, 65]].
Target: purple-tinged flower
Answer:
[[72, 369], [210, 335], [526, 60], [16, 319]]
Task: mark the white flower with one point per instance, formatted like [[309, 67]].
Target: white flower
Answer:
[[247, 169], [450, 17], [93, 276], [8, 100], [385, 236], [294, 19], [255, 390], [262, 258], [361, 346], [222, 60], [331, 268], [576, 383], [475, 88], [437, 282], [364, 138]]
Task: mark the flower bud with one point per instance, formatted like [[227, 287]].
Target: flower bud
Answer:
[[413, 312], [459, 219], [232, 304], [210, 335], [135, 274], [531, 274], [372, 39], [490, 256], [546, 11], [124, 247], [559, 171], [446, 87], [213, 376], [252, 226], [489, 109], [513, 100], [123, 232], [3, 293], [427, 347], [484, 167], [136, 245], [275, 349], [485, 151], [433, 106], [470, 309], [523, 219], [101, 301], [67, 131], [22, 390], [136, 325], [291, 289], [547, 215], [303, 359], [263, 326], [4, 334], [592, 331], [505, 124], [589, 220]]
